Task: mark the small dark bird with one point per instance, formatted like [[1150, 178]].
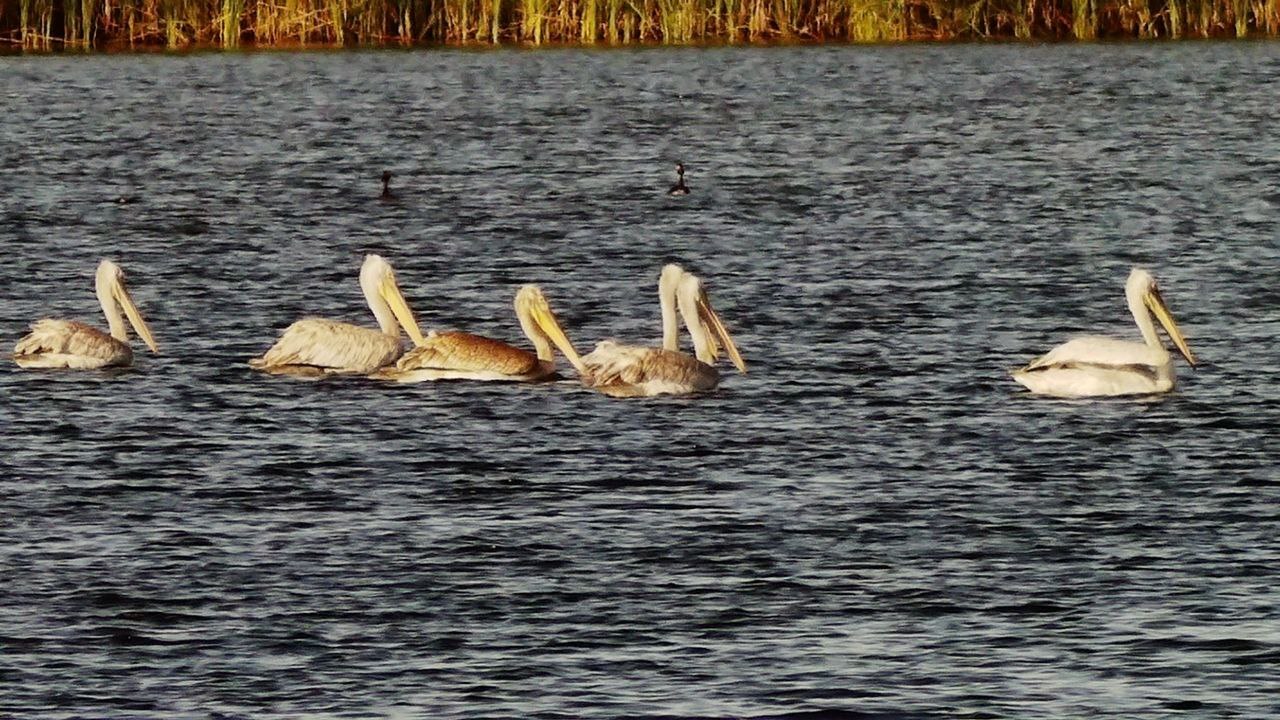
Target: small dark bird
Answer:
[[679, 188], [386, 186]]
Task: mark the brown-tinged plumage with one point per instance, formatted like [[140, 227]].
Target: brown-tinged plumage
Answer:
[[75, 345], [635, 371], [464, 356]]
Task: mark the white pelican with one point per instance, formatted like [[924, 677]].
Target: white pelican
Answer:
[[463, 356], [315, 347], [1095, 366], [636, 371], [70, 344]]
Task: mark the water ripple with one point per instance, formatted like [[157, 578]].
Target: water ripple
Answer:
[[874, 522]]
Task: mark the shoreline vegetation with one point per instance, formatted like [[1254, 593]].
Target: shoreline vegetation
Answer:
[[44, 25]]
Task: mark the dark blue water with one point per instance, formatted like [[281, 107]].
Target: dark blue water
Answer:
[[876, 519]]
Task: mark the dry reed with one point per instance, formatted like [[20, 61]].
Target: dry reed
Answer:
[[67, 24]]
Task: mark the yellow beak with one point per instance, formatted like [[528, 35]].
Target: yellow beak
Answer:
[[1155, 303], [135, 318], [550, 324], [390, 293], [719, 334]]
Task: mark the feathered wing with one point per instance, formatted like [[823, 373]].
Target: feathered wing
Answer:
[[463, 356], [610, 361], [628, 370], [467, 352], [67, 343], [331, 346], [1097, 367], [1099, 351]]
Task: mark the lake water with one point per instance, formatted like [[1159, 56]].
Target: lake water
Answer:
[[875, 520]]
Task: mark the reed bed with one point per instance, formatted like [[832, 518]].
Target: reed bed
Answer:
[[70, 24]]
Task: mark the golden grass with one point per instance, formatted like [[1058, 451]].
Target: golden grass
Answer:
[[59, 24]]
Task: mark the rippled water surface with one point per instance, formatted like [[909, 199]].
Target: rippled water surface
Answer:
[[876, 519]]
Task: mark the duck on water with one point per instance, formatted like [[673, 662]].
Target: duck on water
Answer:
[[679, 188]]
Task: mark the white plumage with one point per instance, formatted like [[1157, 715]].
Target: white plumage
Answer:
[[316, 347], [1101, 366], [329, 346]]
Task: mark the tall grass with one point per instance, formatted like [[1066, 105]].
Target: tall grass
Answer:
[[36, 28], [877, 21], [533, 20], [230, 21], [589, 26], [54, 24], [1084, 23], [1240, 9], [77, 22]]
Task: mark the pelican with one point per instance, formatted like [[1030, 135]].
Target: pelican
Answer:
[[70, 344], [1098, 366], [636, 371], [463, 356], [316, 347]]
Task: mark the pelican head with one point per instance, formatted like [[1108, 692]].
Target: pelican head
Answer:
[[543, 328], [378, 281], [708, 332], [670, 277], [1144, 297], [113, 294]]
